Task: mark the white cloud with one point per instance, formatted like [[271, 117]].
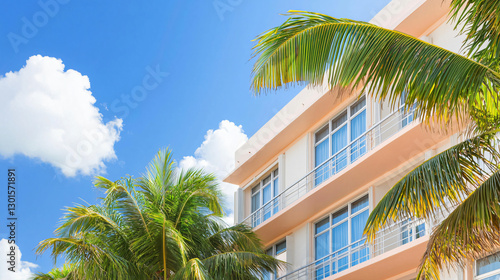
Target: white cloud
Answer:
[[49, 114], [22, 268], [216, 155], [229, 218]]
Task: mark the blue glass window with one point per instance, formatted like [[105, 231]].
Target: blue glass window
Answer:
[[359, 204], [321, 244], [339, 142], [342, 141], [255, 205], [409, 231], [264, 202], [340, 236], [321, 226], [488, 265], [407, 116], [339, 240], [339, 216], [358, 223], [321, 154], [267, 193], [276, 251], [276, 189], [358, 128]]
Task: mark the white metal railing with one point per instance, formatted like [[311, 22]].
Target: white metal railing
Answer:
[[377, 134], [387, 239], [492, 275]]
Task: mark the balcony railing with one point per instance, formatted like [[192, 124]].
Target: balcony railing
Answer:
[[387, 239], [488, 276], [367, 141]]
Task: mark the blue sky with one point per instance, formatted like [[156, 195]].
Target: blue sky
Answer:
[[205, 52]]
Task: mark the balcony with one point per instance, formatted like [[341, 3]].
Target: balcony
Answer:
[[349, 155], [390, 143], [382, 257]]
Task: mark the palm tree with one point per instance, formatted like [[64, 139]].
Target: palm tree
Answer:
[[447, 89], [164, 225], [63, 273]]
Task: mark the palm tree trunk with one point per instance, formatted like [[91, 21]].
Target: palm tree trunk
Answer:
[[164, 253]]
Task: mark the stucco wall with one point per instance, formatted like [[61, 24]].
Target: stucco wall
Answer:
[[445, 37], [296, 161], [298, 254]]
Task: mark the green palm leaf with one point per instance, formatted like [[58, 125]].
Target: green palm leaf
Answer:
[[317, 49], [240, 265], [470, 232], [122, 196], [435, 184], [164, 225], [193, 270], [239, 236], [98, 259], [480, 22], [63, 273]]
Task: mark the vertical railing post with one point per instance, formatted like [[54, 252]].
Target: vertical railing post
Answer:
[[414, 231], [371, 247], [379, 135], [382, 242], [280, 202], [429, 225]]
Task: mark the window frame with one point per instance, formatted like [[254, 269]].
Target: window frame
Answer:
[[331, 131], [487, 274], [407, 117], [273, 174], [275, 245], [349, 218], [274, 254]]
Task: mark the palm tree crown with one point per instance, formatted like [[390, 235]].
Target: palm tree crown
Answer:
[[164, 225]]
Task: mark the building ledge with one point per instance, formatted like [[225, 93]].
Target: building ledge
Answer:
[[412, 141], [295, 119], [391, 263]]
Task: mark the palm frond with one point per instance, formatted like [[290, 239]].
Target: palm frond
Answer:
[[314, 48], [123, 196], [77, 249], [43, 276], [193, 270], [159, 175], [240, 265], [470, 232], [237, 237], [82, 218], [437, 183], [63, 273], [200, 189], [480, 22]]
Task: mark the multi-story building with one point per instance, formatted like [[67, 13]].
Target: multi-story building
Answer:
[[311, 175]]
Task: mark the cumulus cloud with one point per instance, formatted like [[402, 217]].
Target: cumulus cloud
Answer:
[[22, 269], [48, 114], [216, 155]]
